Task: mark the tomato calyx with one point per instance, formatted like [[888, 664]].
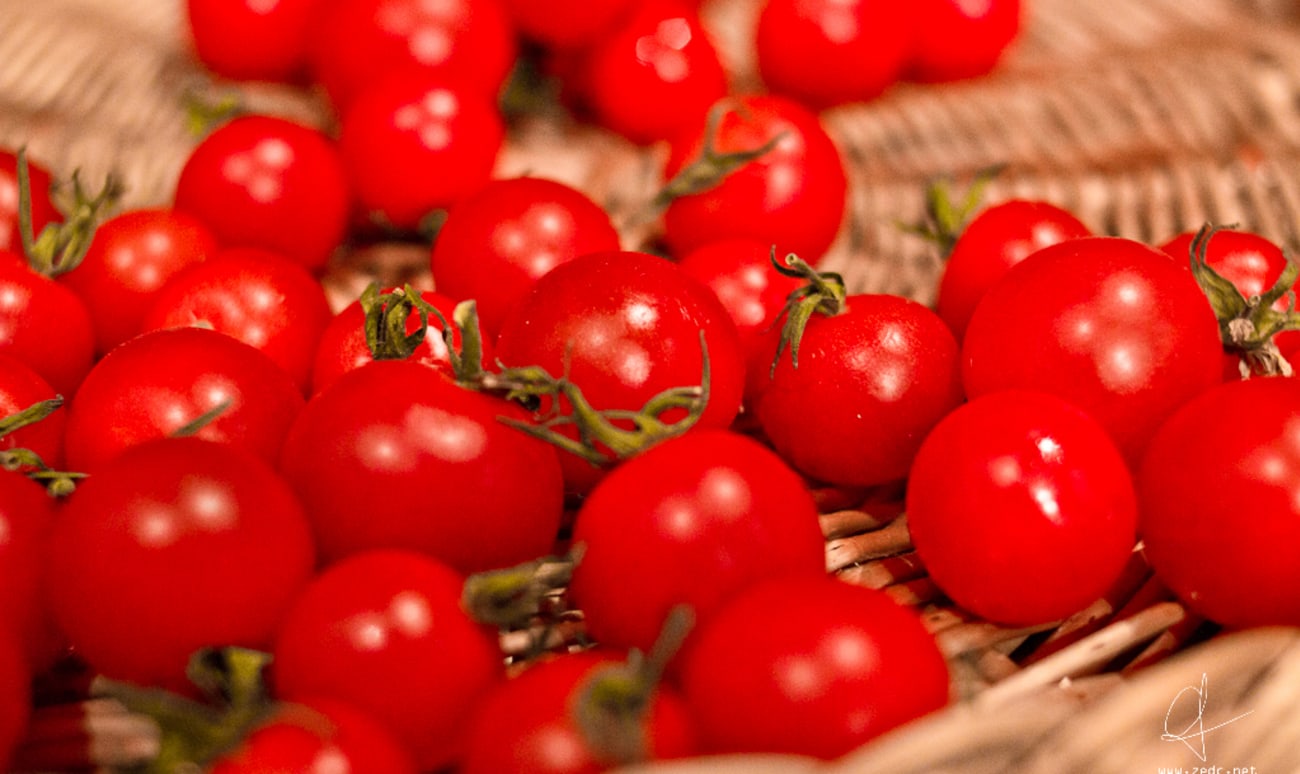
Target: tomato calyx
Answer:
[[386, 316], [60, 247], [824, 293], [712, 166], [946, 217], [196, 424], [205, 111], [1248, 325], [518, 597], [57, 482]]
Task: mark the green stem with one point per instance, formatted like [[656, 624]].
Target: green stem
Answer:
[[203, 420], [824, 293], [60, 247], [712, 166]]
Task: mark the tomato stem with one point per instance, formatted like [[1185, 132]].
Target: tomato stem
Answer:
[[824, 293], [712, 166], [945, 218], [513, 597], [60, 247]]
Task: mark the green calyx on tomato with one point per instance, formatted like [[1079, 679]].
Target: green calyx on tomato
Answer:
[[386, 318], [711, 167], [945, 217], [824, 293], [513, 598], [58, 483], [59, 248]]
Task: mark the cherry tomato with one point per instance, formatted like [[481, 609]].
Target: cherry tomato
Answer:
[[44, 212], [709, 505], [21, 388], [26, 515], [999, 237], [263, 181], [132, 256], [1021, 508], [960, 38], [792, 196], [1219, 503], [395, 454], [655, 74], [357, 43], [531, 723], [498, 241], [416, 142], [158, 382], [45, 325], [252, 40], [870, 383], [1109, 324], [828, 52], [843, 665], [316, 737], [15, 698], [256, 296], [384, 632], [175, 545], [567, 24]]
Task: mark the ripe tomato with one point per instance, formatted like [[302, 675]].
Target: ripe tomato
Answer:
[[395, 454], [1109, 324], [384, 631], [415, 142], [26, 515], [43, 210], [316, 736], [999, 237], [262, 181], [256, 296], [709, 505], [1219, 503], [21, 388], [792, 196], [1021, 508], [960, 38], [175, 545], [567, 24], [131, 258], [15, 698], [544, 733], [655, 74], [158, 382], [45, 325], [828, 52], [843, 665], [356, 43], [870, 383], [498, 241], [252, 40]]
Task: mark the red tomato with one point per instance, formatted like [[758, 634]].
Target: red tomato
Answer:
[[843, 665], [706, 505], [156, 383], [870, 383], [26, 515], [262, 181], [1021, 508], [568, 24], [416, 142], [258, 297], [960, 38], [175, 545], [357, 43], [828, 52], [396, 455], [1109, 324], [655, 74], [131, 258], [384, 632], [45, 325], [252, 40], [15, 698], [317, 736], [544, 734], [498, 241], [21, 388], [1219, 503], [43, 210], [792, 196], [997, 238]]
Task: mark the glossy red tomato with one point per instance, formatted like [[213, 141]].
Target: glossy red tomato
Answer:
[[498, 241], [384, 631], [624, 327], [708, 504], [960, 38], [1109, 324], [843, 665], [1021, 508], [396, 455], [655, 74], [793, 196], [156, 383], [999, 237], [567, 24], [828, 52], [26, 516], [316, 736], [252, 40], [15, 698], [545, 734], [131, 258], [416, 142], [20, 389], [1219, 503], [263, 181], [870, 383], [175, 545], [256, 296], [45, 325], [43, 210], [357, 43]]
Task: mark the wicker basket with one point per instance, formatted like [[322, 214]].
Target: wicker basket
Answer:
[[1144, 117]]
